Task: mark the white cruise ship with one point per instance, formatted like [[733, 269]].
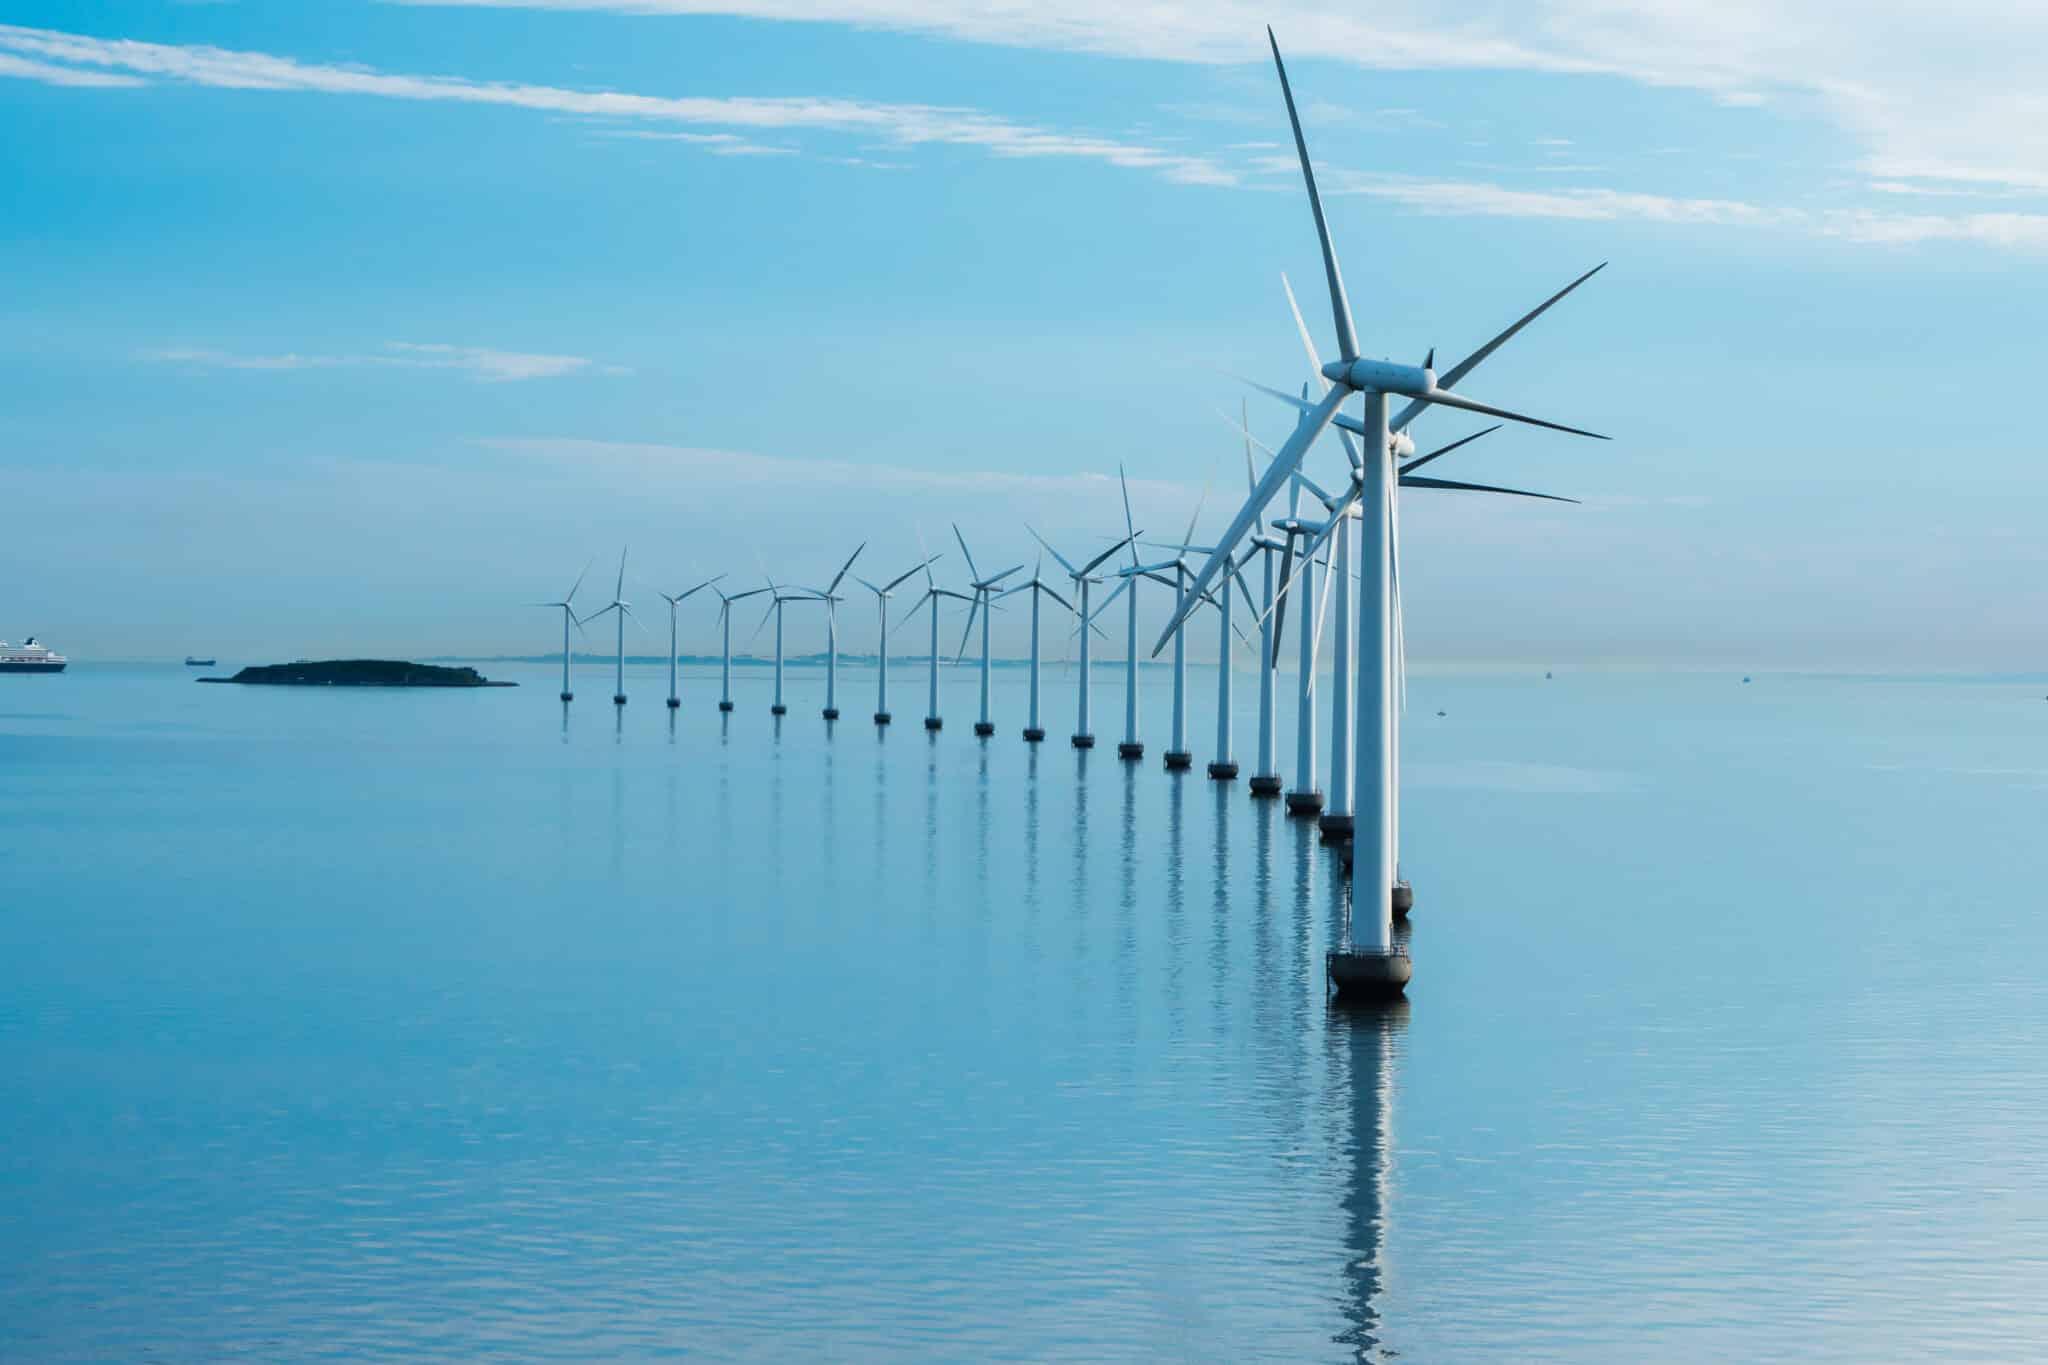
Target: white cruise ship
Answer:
[[30, 658]]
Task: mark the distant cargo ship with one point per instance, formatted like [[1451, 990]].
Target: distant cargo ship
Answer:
[[30, 658], [193, 661]]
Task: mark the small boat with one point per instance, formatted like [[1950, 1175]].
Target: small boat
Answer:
[[191, 662], [30, 658]]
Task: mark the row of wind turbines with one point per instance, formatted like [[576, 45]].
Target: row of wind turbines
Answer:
[[1348, 540]]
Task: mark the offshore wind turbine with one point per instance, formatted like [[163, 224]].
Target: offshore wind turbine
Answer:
[[882, 596], [623, 608], [1131, 747], [1084, 737], [828, 595], [932, 593], [1370, 962], [675, 601], [1037, 587], [780, 599], [982, 602], [1266, 776], [725, 601], [568, 609], [1178, 756]]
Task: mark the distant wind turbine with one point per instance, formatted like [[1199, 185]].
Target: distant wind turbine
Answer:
[[882, 596], [777, 601], [1084, 580], [829, 595], [675, 601], [567, 606], [1034, 732], [725, 601], [980, 604], [620, 607], [932, 594]]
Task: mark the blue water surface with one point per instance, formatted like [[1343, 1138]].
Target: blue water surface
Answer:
[[354, 1023]]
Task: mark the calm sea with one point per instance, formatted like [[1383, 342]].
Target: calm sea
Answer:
[[439, 1024]]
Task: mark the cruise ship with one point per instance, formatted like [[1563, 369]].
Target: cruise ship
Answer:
[[30, 658]]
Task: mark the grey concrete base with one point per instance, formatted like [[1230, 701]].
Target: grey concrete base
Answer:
[[1033, 735], [1359, 975], [1404, 900], [882, 717], [1084, 741], [1336, 828], [1128, 749], [1304, 803], [1266, 784], [1223, 772], [725, 706], [568, 696], [674, 702], [1179, 760], [831, 713], [984, 728], [618, 699], [934, 723], [778, 710]]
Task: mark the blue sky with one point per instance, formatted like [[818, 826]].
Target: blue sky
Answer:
[[347, 327]]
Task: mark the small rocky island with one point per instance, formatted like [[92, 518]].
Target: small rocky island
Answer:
[[359, 673]]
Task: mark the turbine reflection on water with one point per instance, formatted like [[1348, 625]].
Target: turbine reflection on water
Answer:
[[1364, 1044]]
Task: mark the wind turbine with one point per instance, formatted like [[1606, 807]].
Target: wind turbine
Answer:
[[1131, 747], [1037, 587], [832, 633], [624, 609], [1084, 738], [981, 603], [780, 599], [1177, 755], [677, 600], [882, 596], [725, 601], [1266, 777], [568, 609], [1371, 962], [932, 593]]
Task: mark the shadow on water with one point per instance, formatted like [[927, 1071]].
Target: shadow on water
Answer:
[[1176, 903], [1364, 1049], [1221, 795]]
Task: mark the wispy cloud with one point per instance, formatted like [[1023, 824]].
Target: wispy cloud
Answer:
[[21, 68], [902, 125], [480, 363]]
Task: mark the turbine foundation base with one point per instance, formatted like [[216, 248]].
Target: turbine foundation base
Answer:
[[1304, 803], [1130, 749], [778, 710], [1179, 760], [831, 713], [1084, 741], [674, 703], [1266, 784], [618, 699], [1360, 974], [1336, 827], [1033, 735], [568, 696], [934, 723], [1223, 772], [725, 706], [1404, 900], [984, 728], [881, 717]]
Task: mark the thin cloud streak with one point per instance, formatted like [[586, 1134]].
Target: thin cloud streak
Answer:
[[478, 362], [904, 125]]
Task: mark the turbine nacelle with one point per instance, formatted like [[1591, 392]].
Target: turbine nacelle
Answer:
[[1410, 381]]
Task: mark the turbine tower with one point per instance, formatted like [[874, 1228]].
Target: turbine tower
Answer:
[[1084, 737], [567, 606], [725, 601], [982, 603], [1178, 756], [780, 599], [675, 601], [1370, 962], [1131, 748], [623, 608], [882, 596], [932, 593], [828, 595], [1037, 587]]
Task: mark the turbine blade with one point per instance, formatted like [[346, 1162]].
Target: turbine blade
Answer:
[[991, 582], [1122, 584], [844, 567], [620, 591], [1092, 565], [1308, 341], [972, 572], [971, 611], [580, 577], [1251, 473], [1315, 649], [1340, 307], [1197, 515], [1054, 594], [1280, 599], [772, 607], [1284, 463], [1464, 367], [1126, 487], [1452, 400], [1445, 450], [1072, 572], [893, 583], [1419, 481]]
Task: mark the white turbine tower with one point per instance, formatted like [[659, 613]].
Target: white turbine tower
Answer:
[[828, 595], [1131, 748], [567, 606], [1178, 756], [675, 601], [725, 601], [981, 603], [882, 596], [1037, 587], [1084, 737], [623, 609], [932, 593], [779, 600], [1371, 961]]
